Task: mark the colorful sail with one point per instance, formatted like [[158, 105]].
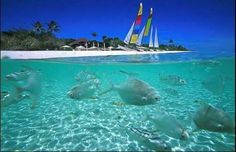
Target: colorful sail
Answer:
[[140, 37], [149, 22], [128, 36], [138, 20], [156, 44], [150, 40]]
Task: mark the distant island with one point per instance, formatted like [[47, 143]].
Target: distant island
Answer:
[[43, 38]]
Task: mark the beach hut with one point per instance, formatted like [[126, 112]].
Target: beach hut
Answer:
[[80, 48], [66, 47], [110, 48], [79, 42]]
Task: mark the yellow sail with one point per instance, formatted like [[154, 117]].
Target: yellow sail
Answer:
[[148, 25], [137, 25]]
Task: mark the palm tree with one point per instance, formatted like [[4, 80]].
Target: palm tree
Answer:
[[94, 34], [104, 37], [38, 27], [53, 27], [171, 42]]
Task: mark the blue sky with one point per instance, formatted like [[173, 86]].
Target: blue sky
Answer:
[[196, 24]]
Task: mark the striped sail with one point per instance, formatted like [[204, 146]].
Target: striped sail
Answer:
[[156, 44], [148, 25], [138, 20], [150, 40], [140, 37], [128, 36]]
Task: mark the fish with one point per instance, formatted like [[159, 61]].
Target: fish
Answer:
[[214, 84], [171, 126], [84, 90], [18, 76], [9, 98], [85, 76], [135, 92], [172, 80], [149, 139], [210, 118], [27, 81], [32, 85]]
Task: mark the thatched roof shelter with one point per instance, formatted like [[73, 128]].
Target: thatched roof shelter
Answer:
[[79, 42]]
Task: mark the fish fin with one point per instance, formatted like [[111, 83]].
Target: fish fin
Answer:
[[201, 102], [219, 126], [26, 68], [94, 97], [34, 103], [108, 90], [131, 74], [194, 130], [19, 89], [148, 118], [3, 93], [118, 103]]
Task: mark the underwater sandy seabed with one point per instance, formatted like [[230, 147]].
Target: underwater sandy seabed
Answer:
[[61, 123]]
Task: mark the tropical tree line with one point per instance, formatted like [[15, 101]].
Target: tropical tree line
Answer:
[[170, 46], [52, 27], [40, 37]]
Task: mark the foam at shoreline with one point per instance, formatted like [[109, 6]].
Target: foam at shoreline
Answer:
[[63, 54]]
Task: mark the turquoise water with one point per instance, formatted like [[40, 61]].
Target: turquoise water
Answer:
[[61, 123]]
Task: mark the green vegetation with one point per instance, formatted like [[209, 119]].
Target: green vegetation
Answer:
[[37, 38], [172, 48], [169, 47], [43, 38]]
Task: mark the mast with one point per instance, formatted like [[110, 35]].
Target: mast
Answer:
[[150, 40], [156, 44], [148, 24], [137, 25], [140, 37], [128, 36]]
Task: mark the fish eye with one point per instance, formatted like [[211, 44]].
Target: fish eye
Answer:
[[144, 98], [183, 136], [157, 97]]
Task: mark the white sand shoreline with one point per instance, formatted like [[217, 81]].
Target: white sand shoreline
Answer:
[[63, 54]]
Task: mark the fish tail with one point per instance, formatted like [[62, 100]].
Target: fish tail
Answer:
[[128, 73], [20, 89], [125, 72], [147, 117], [106, 91]]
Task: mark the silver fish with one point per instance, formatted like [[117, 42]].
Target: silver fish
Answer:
[[151, 140], [210, 118]]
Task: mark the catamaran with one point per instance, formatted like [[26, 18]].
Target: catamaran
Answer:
[[156, 44], [136, 37], [132, 36]]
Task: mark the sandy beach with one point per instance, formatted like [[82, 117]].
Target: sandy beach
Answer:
[[62, 54]]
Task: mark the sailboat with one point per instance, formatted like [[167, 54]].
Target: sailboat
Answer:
[[148, 24], [128, 36], [156, 44], [132, 36], [140, 37], [146, 29], [150, 40]]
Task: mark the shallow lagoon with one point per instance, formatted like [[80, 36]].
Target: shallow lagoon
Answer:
[[61, 123]]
